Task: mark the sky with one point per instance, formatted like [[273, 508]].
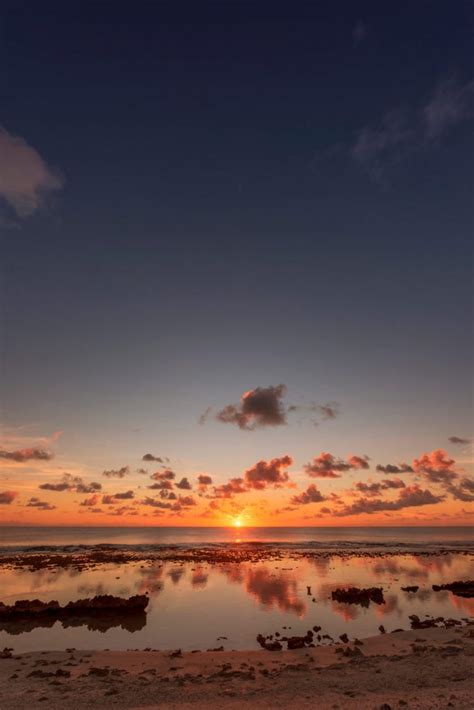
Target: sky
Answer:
[[236, 238]]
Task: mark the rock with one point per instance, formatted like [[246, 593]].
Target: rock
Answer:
[[382, 629], [414, 588], [344, 638], [353, 595], [296, 642], [459, 589]]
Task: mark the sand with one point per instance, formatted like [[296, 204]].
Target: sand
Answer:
[[432, 668]]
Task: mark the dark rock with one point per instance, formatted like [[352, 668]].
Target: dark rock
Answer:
[[353, 595], [414, 588], [459, 589]]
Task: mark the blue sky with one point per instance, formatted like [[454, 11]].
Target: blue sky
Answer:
[[229, 196]]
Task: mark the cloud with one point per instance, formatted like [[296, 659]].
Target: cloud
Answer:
[[163, 475], [182, 503], [40, 504], [270, 473], [259, 407], [114, 497], [184, 484], [25, 179], [72, 483], [449, 105], [36, 453], [90, 502], [151, 457], [437, 467], [459, 440], [373, 489], [464, 490], [392, 468], [7, 497], [400, 134], [161, 485], [409, 497], [310, 495], [204, 481], [359, 33], [231, 488], [327, 466], [205, 416], [117, 473]]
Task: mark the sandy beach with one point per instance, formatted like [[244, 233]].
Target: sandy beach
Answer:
[[431, 668]]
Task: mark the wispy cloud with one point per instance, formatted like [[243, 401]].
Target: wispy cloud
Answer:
[[116, 472], [359, 33], [380, 146], [26, 180], [36, 453]]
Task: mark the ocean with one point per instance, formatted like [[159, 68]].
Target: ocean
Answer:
[[209, 587], [22, 538]]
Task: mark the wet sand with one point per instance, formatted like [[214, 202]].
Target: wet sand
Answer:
[[429, 668]]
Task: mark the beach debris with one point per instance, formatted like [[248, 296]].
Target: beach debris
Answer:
[[459, 589], [308, 592], [354, 595], [382, 629]]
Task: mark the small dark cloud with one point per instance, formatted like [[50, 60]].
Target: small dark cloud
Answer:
[[392, 468], [204, 480], [310, 495], [36, 453], [184, 484], [151, 457], [459, 440], [268, 473], [69, 482], [117, 473], [40, 504], [90, 502], [260, 407], [161, 485], [328, 466], [230, 489], [7, 497], [164, 475], [110, 499], [409, 497], [373, 489]]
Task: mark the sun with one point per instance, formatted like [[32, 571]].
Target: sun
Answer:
[[237, 523]]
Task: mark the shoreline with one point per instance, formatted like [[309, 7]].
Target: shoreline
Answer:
[[428, 668], [82, 557]]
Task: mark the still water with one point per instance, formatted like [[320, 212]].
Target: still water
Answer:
[[193, 606]]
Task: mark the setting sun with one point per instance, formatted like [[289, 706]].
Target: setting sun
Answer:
[[237, 523]]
